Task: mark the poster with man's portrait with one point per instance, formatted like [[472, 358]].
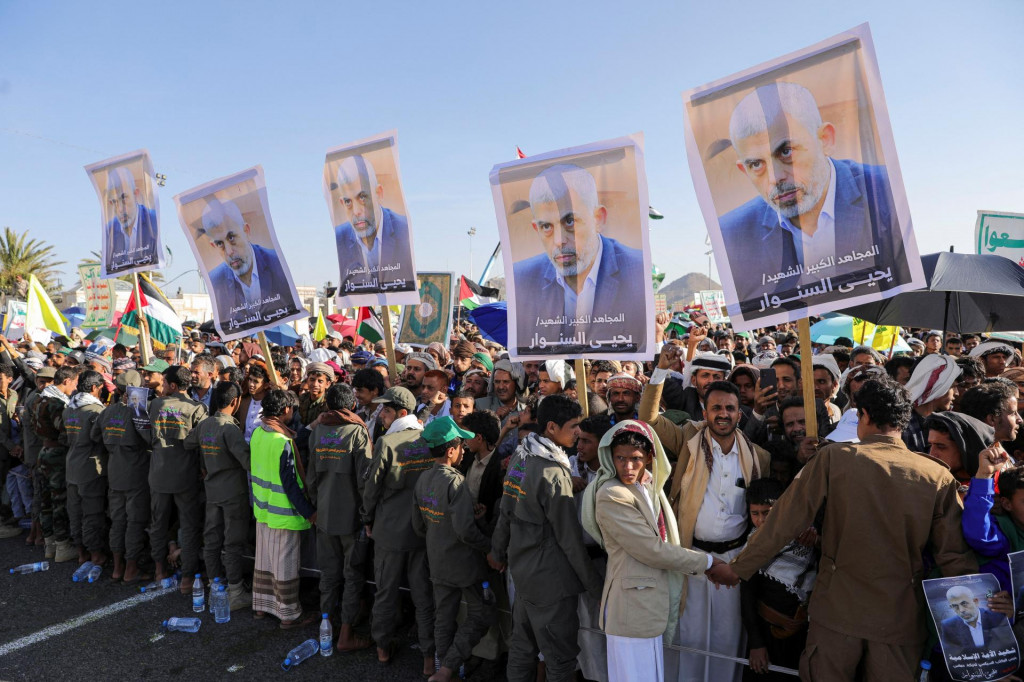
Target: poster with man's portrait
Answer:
[[227, 223], [372, 231], [130, 213], [431, 319], [796, 174], [573, 228], [977, 642]]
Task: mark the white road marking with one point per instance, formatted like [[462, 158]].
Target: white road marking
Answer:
[[85, 619]]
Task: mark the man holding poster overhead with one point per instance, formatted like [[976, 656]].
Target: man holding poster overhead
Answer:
[[570, 227]]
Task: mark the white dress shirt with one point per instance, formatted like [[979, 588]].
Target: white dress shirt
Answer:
[[723, 513], [976, 633], [252, 291], [812, 249], [582, 303], [476, 474], [253, 418], [371, 256], [131, 242]]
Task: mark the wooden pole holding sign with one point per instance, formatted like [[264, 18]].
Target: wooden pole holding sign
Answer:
[[145, 349], [389, 345], [807, 378], [581, 386], [271, 370]]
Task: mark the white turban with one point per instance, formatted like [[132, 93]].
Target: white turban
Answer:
[[983, 349], [560, 371], [827, 361], [932, 378], [712, 361]]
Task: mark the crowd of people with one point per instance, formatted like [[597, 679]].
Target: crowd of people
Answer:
[[612, 526]]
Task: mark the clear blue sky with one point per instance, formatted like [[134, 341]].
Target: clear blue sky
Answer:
[[211, 88]]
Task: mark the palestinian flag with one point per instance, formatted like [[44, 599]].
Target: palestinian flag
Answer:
[[369, 327], [163, 322], [472, 295]]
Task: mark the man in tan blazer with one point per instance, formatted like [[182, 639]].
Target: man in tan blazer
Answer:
[[885, 507], [713, 460]]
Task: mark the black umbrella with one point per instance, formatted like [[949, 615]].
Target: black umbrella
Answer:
[[964, 293]]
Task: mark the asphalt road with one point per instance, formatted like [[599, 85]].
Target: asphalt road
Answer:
[[129, 644]]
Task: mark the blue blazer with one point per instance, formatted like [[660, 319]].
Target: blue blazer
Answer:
[[755, 242], [620, 290], [395, 250], [147, 238], [956, 636], [228, 291]]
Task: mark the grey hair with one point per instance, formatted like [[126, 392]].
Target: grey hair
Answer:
[[216, 212], [749, 118], [120, 178], [353, 168], [554, 183]]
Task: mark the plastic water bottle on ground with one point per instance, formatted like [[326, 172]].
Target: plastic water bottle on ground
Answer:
[[300, 653], [94, 573], [82, 572], [489, 598], [219, 603], [182, 624], [164, 584], [326, 637], [926, 671], [32, 568], [198, 595]]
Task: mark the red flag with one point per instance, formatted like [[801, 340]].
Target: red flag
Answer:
[[519, 153]]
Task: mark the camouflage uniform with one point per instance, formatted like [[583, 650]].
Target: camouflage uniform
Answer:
[[48, 422]]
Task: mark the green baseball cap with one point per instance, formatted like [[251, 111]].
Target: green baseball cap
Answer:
[[155, 365], [400, 396], [442, 430]]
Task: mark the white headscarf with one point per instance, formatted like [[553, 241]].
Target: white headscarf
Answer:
[[932, 378], [661, 471], [827, 361], [983, 349], [712, 361], [560, 371]]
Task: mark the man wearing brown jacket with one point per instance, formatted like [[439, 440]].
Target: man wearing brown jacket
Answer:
[[884, 507]]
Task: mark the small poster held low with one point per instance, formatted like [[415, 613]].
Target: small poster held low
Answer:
[[573, 225], [130, 210], [227, 224], [977, 643]]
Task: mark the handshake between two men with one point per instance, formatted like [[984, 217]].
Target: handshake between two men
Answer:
[[722, 574]]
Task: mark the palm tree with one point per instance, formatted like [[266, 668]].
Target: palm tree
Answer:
[[20, 255], [94, 258]]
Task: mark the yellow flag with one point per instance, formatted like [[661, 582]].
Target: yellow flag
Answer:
[[320, 331], [862, 331], [885, 337], [40, 314]]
